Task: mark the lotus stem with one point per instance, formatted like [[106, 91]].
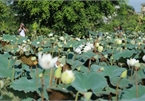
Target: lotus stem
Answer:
[[8, 63], [89, 64], [50, 80], [117, 89], [136, 83], [36, 76], [13, 73], [76, 99], [42, 84], [131, 73]]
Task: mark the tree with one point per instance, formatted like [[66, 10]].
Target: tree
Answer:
[[69, 16], [6, 18]]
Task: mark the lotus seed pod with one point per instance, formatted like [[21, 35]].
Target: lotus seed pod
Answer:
[[33, 58], [67, 77], [124, 74], [57, 73], [87, 95]]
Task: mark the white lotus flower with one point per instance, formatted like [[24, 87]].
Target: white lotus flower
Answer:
[[143, 58], [67, 77], [108, 37], [77, 50], [106, 33], [81, 46], [46, 61], [38, 42], [86, 48], [50, 35], [89, 44], [65, 42], [61, 38], [132, 62], [78, 39]]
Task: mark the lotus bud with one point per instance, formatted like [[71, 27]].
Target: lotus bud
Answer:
[[118, 41], [124, 74], [97, 44], [40, 75], [102, 68], [143, 58], [100, 48], [79, 68], [87, 95], [137, 65], [57, 73], [106, 55], [67, 77]]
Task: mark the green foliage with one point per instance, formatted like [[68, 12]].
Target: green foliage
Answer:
[[72, 17], [7, 21]]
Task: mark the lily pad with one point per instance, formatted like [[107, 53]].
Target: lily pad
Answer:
[[86, 81], [128, 94]]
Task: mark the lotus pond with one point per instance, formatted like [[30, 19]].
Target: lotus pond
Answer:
[[53, 67]]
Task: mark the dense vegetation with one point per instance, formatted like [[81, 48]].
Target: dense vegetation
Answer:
[[71, 51], [73, 17]]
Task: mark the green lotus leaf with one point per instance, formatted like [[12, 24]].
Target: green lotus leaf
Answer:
[[5, 64], [124, 54], [20, 39], [8, 37], [85, 81], [83, 69], [62, 60], [88, 55], [130, 46], [46, 50], [123, 83], [95, 68], [23, 84], [72, 43], [142, 98], [112, 71], [128, 94], [70, 61], [76, 64], [28, 99], [31, 85]]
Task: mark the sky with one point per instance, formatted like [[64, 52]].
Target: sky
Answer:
[[136, 4]]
